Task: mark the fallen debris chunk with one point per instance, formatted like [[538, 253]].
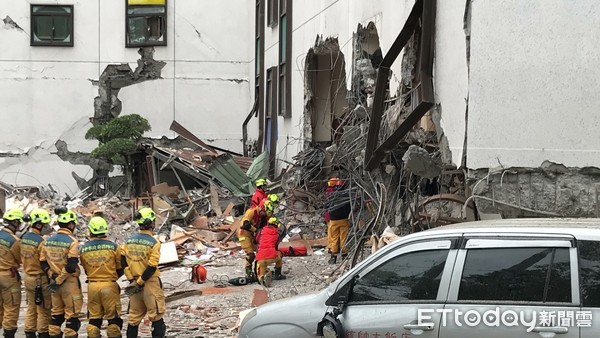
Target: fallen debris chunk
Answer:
[[182, 294], [200, 222], [259, 297], [168, 253], [214, 200]]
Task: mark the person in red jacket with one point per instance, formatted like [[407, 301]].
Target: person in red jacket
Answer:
[[261, 192], [268, 239]]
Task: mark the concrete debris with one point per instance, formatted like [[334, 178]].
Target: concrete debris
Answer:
[[421, 163]]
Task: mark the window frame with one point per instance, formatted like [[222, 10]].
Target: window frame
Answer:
[[506, 241], [284, 82], [51, 43], [259, 65], [436, 243], [164, 16], [272, 13], [579, 267]]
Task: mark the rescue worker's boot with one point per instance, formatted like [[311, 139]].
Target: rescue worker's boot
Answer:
[[57, 336], [332, 259], [30, 335], [267, 278], [43, 335], [278, 275], [159, 329], [250, 276], [132, 331], [10, 333]]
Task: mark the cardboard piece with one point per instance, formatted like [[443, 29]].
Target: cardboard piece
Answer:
[[168, 253], [165, 189], [211, 235]]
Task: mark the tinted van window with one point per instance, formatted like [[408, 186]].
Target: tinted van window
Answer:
[[412, 276], [517, 274], [589, 272]]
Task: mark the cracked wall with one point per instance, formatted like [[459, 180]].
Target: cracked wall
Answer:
[[548, 190], [52, 93]]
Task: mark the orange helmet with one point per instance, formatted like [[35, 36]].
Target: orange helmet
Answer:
[[334, 181]]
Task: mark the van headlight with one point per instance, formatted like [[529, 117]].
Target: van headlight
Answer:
[[247, 317]]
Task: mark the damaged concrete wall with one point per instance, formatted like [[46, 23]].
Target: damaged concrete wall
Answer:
[[549, 190], [49, 92], [450, 79], [533, 84], [326, 18]]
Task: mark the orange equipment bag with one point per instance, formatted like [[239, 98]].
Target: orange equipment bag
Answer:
[[198, 274]]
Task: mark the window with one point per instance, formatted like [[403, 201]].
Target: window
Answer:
[[51, 25], [272, 13], [412, 276], [589, 272], [271, 93], [285, 37], [146, 23], [521, 275], [259, 47]]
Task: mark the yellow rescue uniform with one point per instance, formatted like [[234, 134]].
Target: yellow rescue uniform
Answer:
[[101, 259], [37, 316], [141, 251], [10, 281], [246, 237], [337, 232], [67, 300]]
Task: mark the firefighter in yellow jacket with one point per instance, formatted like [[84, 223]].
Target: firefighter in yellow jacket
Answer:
[[10, 281], [253, 219], [59, 259], [140, 256], [101, 260], [39, 303]]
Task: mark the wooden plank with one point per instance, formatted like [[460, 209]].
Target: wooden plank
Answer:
[[234, 228], [228, 209], [182, 294]]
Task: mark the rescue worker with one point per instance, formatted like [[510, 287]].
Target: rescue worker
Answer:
[[101, 260], [274, 198], [59, 260], [338, 208], [251, 222], [260, 193], [39, 302], [268, 239], [10, 281], [140, 256]]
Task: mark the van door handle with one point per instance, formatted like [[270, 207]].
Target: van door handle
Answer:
[[553, 329], [426, 327]]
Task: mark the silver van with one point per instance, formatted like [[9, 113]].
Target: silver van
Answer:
[[495, 279]]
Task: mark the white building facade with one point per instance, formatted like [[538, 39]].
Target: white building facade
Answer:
[[48, 91]]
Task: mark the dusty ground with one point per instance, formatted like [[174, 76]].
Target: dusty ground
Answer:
[[215, 313]]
